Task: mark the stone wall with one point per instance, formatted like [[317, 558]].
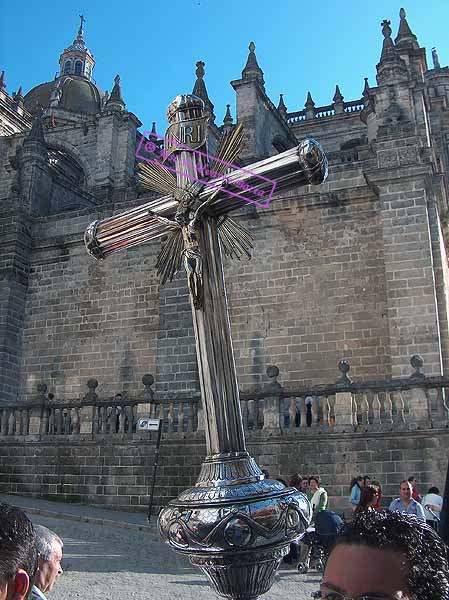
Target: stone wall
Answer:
[[314, 291], [341, 273], [15, 250], [117, 472], [85, 317]]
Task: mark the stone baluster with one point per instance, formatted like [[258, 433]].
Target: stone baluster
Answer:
[[4, 416], [302, 413], [325, 409], [245, 413], [418, 399], [96, 420], [66, 421], [145, 409], [132, 409], [103, 415], [387, 417], [292, 414], [377, 409], [75, 420], [356, 409], [191, 416], [45, 421], [88, 413], [315, 412], [273, 392], [398, 399], [25, 420], [17, 422], [171, 417], [442, 410], [200, 416], [59, 421], [181, 416], [11, 422], [37, 411], [120, 419], [344, 401], [365, 408], [51, 420], [255, 413]]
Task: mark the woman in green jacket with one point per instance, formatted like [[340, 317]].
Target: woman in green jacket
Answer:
[[316, 494]]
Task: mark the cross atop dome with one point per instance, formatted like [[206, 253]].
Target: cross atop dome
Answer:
[[77, 59], [81, 30]]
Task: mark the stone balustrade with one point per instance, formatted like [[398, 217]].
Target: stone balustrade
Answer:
[[416, 402], [329, 110]]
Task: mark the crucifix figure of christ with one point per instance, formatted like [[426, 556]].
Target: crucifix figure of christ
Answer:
[[235, 524]]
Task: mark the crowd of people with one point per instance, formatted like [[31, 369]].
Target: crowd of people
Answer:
[[30, 556], [384, 554], [378, 551], [366, 495]]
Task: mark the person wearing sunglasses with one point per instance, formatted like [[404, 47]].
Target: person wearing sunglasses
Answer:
[[384, 555]]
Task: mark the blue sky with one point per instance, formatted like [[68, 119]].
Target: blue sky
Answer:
[[154, 45]]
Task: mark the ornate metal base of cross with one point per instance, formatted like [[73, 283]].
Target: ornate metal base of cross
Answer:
[[234, 524]]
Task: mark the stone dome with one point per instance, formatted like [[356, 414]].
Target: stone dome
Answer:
[[78, 95]]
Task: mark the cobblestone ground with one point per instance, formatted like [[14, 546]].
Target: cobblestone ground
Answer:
[[105, 563]]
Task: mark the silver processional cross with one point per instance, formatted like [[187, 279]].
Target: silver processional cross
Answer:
[[234, 524]]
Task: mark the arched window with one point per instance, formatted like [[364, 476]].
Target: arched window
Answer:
[[88, 71], [67, 67], [78, 67]]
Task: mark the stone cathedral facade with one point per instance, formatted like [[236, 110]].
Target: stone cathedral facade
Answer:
[[356, 268]]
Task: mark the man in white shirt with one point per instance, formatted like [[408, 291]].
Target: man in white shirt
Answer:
[[433, 504], [406, 504], [49, 549]]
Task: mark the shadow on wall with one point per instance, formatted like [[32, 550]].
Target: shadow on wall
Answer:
[[258, 355], [127, 367]]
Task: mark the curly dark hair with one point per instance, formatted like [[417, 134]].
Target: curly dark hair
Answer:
[[17, 543], [426, 553]]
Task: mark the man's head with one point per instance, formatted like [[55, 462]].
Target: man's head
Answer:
[[405, 491], [366, 480], [314, 482], [304, 485], [383, 554], [412, 481], [295, 481], [18, 557], [49, 549]]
